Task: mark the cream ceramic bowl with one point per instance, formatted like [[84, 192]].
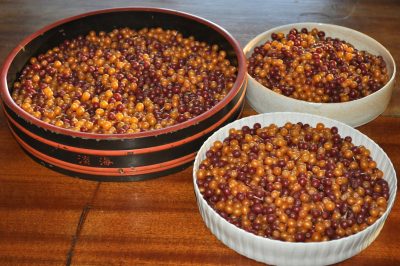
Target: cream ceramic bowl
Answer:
[[353, 113], [286, 253]]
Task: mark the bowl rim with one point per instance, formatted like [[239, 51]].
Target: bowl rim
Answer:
[[203, 203], [264, 34], [240, 79]]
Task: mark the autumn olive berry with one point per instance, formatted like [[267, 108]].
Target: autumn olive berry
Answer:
[[309, 66], [294, 183], [124, 81]]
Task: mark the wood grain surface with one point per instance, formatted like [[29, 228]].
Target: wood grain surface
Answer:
[[50, 219]]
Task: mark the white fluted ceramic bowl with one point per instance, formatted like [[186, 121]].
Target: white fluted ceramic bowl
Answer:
[[353, 113], [287, 253]]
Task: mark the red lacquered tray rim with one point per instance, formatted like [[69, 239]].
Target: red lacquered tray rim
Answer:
[[101, 171], [241, 77], [130, 151]]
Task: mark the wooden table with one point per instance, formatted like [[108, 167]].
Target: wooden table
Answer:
[[50, 219]]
